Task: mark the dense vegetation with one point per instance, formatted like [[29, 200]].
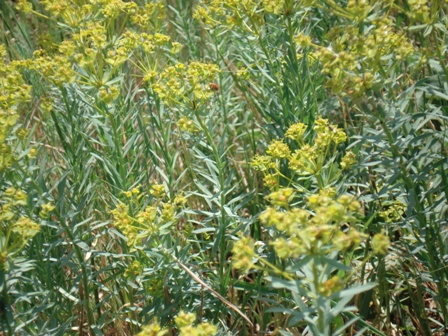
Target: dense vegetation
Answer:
[[223, 167]]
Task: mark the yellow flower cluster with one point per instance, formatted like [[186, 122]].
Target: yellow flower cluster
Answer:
[[158, 190], [149, 222], [274, 6], [367, 34], [380, 243], [184, 323], [113, 8], [153, 329], [356, 56], [263, 163], [420, 11], [327, 134], [133, 269], [296, 132], [330, 286], [243, 254], [73, 12], [186, 84], [348, 160], [278, 150], [393, 212], [16, 229], [148, 16], [13, 91], [314, 231], [359, 9], [25, 228], [46, 209], [311, 157], [246, 14], [327, 223], [94, 48], [94, 51], [55, 68], [187, 125]]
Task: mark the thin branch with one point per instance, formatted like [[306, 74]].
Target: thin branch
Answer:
[[215, 293]]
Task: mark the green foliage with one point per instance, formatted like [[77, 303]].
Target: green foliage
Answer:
[[275, 166]]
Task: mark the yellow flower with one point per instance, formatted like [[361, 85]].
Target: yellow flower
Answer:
[[24, 6], [380, 243], [133, 269], [348, 160], [168, 213], [281, 197], [243, 254], [187, 125], [180, 200], [184, 319], [26, 228], [158, 190], [296, 132], [331, 286], [153, 329], [274, 6], [278, 149], [46, 209], [291, 248], [270, 181], [32, 153], [262, 162]]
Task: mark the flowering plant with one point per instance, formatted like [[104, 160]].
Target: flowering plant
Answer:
[[313, 231]]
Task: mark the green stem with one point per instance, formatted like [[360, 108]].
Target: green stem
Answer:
[[440, 53], [321, 314], [276, 269], [5, 312]]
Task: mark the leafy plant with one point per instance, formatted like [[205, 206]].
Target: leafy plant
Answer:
[[113, 111]]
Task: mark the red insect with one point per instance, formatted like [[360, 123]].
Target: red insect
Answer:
[[214, 86]]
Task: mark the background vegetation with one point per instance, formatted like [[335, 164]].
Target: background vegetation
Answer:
[[252, 167]]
